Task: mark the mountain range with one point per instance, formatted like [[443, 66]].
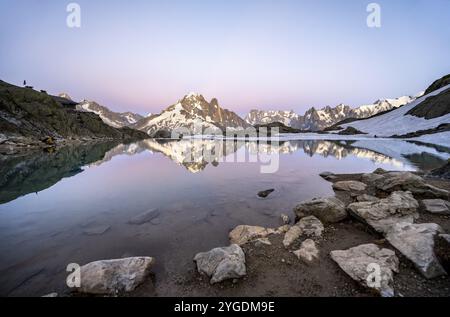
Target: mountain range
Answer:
[[316, 120]]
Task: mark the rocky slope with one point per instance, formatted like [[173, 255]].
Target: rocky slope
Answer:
[[191, 113], [316, 120], [27, 117], [114, 119]]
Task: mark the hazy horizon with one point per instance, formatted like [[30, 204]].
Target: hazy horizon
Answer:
[[144, 56]]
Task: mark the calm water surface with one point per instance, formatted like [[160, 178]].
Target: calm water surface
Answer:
[[74, 206]]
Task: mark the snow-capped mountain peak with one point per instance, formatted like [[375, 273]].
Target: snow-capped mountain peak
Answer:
[[191, 112]]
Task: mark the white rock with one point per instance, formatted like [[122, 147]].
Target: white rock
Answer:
[[416, 242], [308, 251], [222, 263], [361, 264], [113, 276]]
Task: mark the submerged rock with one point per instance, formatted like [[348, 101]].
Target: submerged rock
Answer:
[[145, 217], [96, 230], [436, 206], [309, 226], [416, 242], [114, 276], [361, 263], [383, 213], [265, 193], [355, 188], [328, 210], [222, 263], [308, 251]]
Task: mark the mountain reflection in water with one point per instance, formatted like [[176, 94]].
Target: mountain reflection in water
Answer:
[[21, 175]]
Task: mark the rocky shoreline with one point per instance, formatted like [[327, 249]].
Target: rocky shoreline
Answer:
[[382, 234]]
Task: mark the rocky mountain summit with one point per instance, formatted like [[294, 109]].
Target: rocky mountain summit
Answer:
[[192, 112]]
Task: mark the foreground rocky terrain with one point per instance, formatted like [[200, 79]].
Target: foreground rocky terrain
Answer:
[[382, 234]]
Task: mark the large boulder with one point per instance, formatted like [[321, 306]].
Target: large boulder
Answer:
[[243, 234], [308, 251], [222, 263], [406, 181], [362, 263], [114, 276], [436, 206], [383, 213], [328, 210], [354, 188], [416, 242], [309, 226]]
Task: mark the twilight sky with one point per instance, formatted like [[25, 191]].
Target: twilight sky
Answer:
[[145, 55]]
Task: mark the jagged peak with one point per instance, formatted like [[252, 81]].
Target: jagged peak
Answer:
[[65, 95]]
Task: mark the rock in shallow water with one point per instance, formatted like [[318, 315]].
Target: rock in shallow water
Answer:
[[148, 216], [222, 263], [265, 193], [114, 276], [361, 263], [416, 242], [328, 210], [382, 214]]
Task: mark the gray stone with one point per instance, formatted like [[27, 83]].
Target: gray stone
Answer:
[[308, 251], [328, 210], [406, 181], [382, 214], [366, 197], [222, 263], [436, 206], [114, 276], [416, 242], [370, 178], [354, 188], [361, 264], [148, 216], [51, 295]]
